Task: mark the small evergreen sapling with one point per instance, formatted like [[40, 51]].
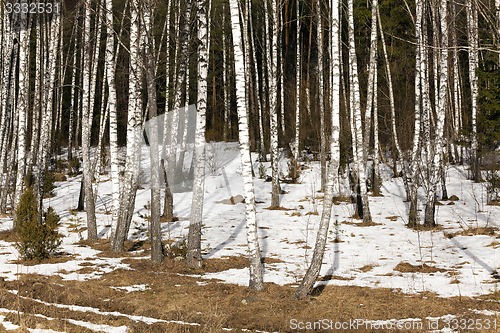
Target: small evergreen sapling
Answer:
[[36, 238]]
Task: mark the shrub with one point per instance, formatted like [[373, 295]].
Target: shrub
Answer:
[[48, 184], [35, 239]]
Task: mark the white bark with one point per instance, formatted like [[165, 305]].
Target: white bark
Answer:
[[413, 219], [440, 112], [155, 224], [22, 105], [356, 111], [311, 276], [87, 117], [298, 85], [183, 40], [472, 25], [274, 107], [256, 269], [134, 133], [372, 72], [193, 255], [110, 64]]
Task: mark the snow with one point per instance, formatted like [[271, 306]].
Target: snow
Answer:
[[363, 256]]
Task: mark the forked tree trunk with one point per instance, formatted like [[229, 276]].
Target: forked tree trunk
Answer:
[[307, 284], [437, 163], [134, 133], [356, 111], [256, 270]]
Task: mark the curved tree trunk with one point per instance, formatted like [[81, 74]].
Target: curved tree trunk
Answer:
[[307, 284], [256, 270]]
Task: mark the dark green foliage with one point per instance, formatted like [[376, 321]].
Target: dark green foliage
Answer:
[[35, 239], [48, 184], [493, 186], [74, 166], [488, 121]]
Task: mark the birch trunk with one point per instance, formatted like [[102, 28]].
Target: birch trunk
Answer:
[[6, 126], [256, 269], [155, 224], [134, 133], [472, 26], [87, 117], [22, 106], [110, 64], [356, 110], [372, 72], [437, 164], [168, 200], [298, 85], [193, 254], [321, 101], [312, 273], [274, 107], [413, 219]]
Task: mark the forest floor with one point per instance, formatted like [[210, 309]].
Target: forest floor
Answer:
[[377, 277]]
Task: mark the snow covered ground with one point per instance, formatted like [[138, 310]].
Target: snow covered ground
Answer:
[[459, 259]]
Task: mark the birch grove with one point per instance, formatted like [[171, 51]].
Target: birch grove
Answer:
[[87, 92]]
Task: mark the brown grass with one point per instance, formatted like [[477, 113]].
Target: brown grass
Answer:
[[406, 267], [362, 224], [172, 295], [474, 231], [278, 208], [494, 244]]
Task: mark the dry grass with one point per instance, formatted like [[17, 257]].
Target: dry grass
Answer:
[[362, 224], [406, 267], [172, 295], [494, 244], [474, 231], [278, 208]]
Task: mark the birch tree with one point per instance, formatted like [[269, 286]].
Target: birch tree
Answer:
[[193, 254], [22, 104], [298, 85], [274, 107], [307, 284], [359, 158], [149, 62], [472, 33], [256, 269], [429, 219], [110, 63], [320, 100], [412, 183], [87, 117], [134, 132]]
